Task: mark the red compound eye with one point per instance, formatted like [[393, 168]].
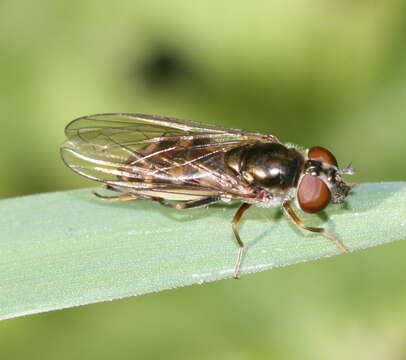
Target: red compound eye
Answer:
[[313, 194], [321, 154]]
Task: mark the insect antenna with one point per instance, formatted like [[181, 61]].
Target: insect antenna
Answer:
[[347, 170]]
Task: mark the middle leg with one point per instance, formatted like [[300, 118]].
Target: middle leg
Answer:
[[234, 223]]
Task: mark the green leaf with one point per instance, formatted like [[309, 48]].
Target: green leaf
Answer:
[[66, 249]]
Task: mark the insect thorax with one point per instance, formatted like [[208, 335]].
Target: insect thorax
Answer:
[[271, 168]]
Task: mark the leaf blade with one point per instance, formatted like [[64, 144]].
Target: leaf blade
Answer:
[[66, 249]]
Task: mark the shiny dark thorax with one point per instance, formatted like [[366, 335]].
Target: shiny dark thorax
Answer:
[[273, 167]]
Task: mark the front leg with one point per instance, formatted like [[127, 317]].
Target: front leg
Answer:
[[291, 213]]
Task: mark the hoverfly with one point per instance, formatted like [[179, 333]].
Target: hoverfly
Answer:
[[185, 164]]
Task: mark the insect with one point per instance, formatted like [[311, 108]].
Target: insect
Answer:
[[184, 164]]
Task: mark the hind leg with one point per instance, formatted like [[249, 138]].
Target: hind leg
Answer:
[[123, 197], [177, 205]]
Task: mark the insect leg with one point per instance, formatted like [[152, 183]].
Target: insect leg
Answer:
[[234, 223], [124, 197], [290, 212], [182, 206], [195, 203]]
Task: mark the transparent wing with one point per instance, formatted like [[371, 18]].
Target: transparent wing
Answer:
[[145, 152]]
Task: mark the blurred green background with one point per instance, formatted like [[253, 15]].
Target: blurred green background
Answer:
[[330, 73]]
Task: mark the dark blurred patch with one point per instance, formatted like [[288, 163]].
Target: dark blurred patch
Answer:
[[163, 67]]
